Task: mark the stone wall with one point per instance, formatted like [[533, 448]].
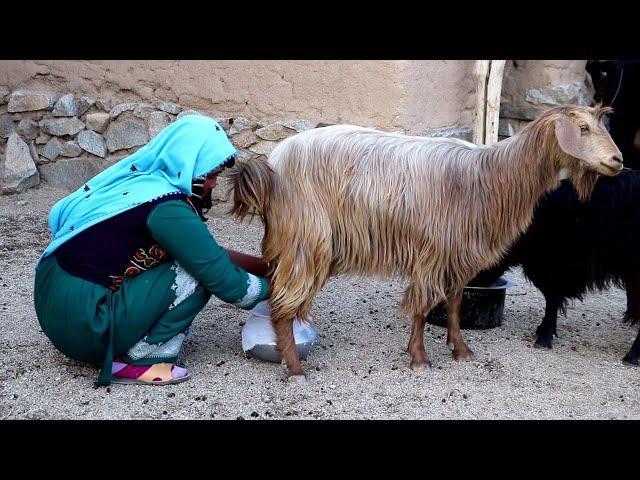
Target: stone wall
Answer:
[[68, 139], [532, 86], [408, 96]]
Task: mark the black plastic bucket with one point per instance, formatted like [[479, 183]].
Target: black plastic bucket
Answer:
[[482, 307]]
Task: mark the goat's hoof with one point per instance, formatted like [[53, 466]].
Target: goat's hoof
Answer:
[[463, 355], [630, 360], [543, 343], [298, 379], [421, 366]]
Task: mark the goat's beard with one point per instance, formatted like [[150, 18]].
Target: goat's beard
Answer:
[[584, 180]]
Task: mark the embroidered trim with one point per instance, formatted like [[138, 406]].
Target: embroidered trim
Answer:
[[184, 285], [167, 349], [141, 262], [254, 288]]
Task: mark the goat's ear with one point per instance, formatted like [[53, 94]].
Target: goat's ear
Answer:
[[568, 135]]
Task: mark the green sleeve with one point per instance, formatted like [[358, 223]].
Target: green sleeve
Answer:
[[181, 232]]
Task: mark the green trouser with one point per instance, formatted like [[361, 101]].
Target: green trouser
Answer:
[[145, 321]]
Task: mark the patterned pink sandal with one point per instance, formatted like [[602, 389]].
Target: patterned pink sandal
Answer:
[[157, 374]]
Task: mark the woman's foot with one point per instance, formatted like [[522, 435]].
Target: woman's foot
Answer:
[[157, 374]]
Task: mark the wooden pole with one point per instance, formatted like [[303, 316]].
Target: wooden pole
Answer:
[[480, 73], [494, 90]]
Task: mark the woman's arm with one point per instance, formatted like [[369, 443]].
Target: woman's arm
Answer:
[[177, 227], [251, 264]]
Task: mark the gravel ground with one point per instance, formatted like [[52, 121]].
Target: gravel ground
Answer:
[[357, 370]]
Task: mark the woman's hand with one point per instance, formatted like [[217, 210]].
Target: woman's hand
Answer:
[[253, 265]]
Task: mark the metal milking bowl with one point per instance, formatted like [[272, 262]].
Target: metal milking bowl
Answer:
[[259, 338]]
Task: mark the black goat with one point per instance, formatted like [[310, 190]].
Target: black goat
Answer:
[[574, 247]]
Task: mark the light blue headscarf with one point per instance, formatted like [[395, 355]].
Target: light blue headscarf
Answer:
[[187, 149]]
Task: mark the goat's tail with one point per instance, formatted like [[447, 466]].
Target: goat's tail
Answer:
[[252, 185]]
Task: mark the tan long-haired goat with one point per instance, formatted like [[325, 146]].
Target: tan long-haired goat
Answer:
[[345, 199]]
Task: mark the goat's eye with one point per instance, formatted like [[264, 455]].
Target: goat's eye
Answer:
[[584, 128]]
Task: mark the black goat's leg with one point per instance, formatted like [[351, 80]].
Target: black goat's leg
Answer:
[[547, 328], [632, 315], [632, 285], [633, 357]]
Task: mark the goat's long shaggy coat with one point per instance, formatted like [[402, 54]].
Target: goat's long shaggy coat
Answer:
[[351, 200], [346, 199]]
